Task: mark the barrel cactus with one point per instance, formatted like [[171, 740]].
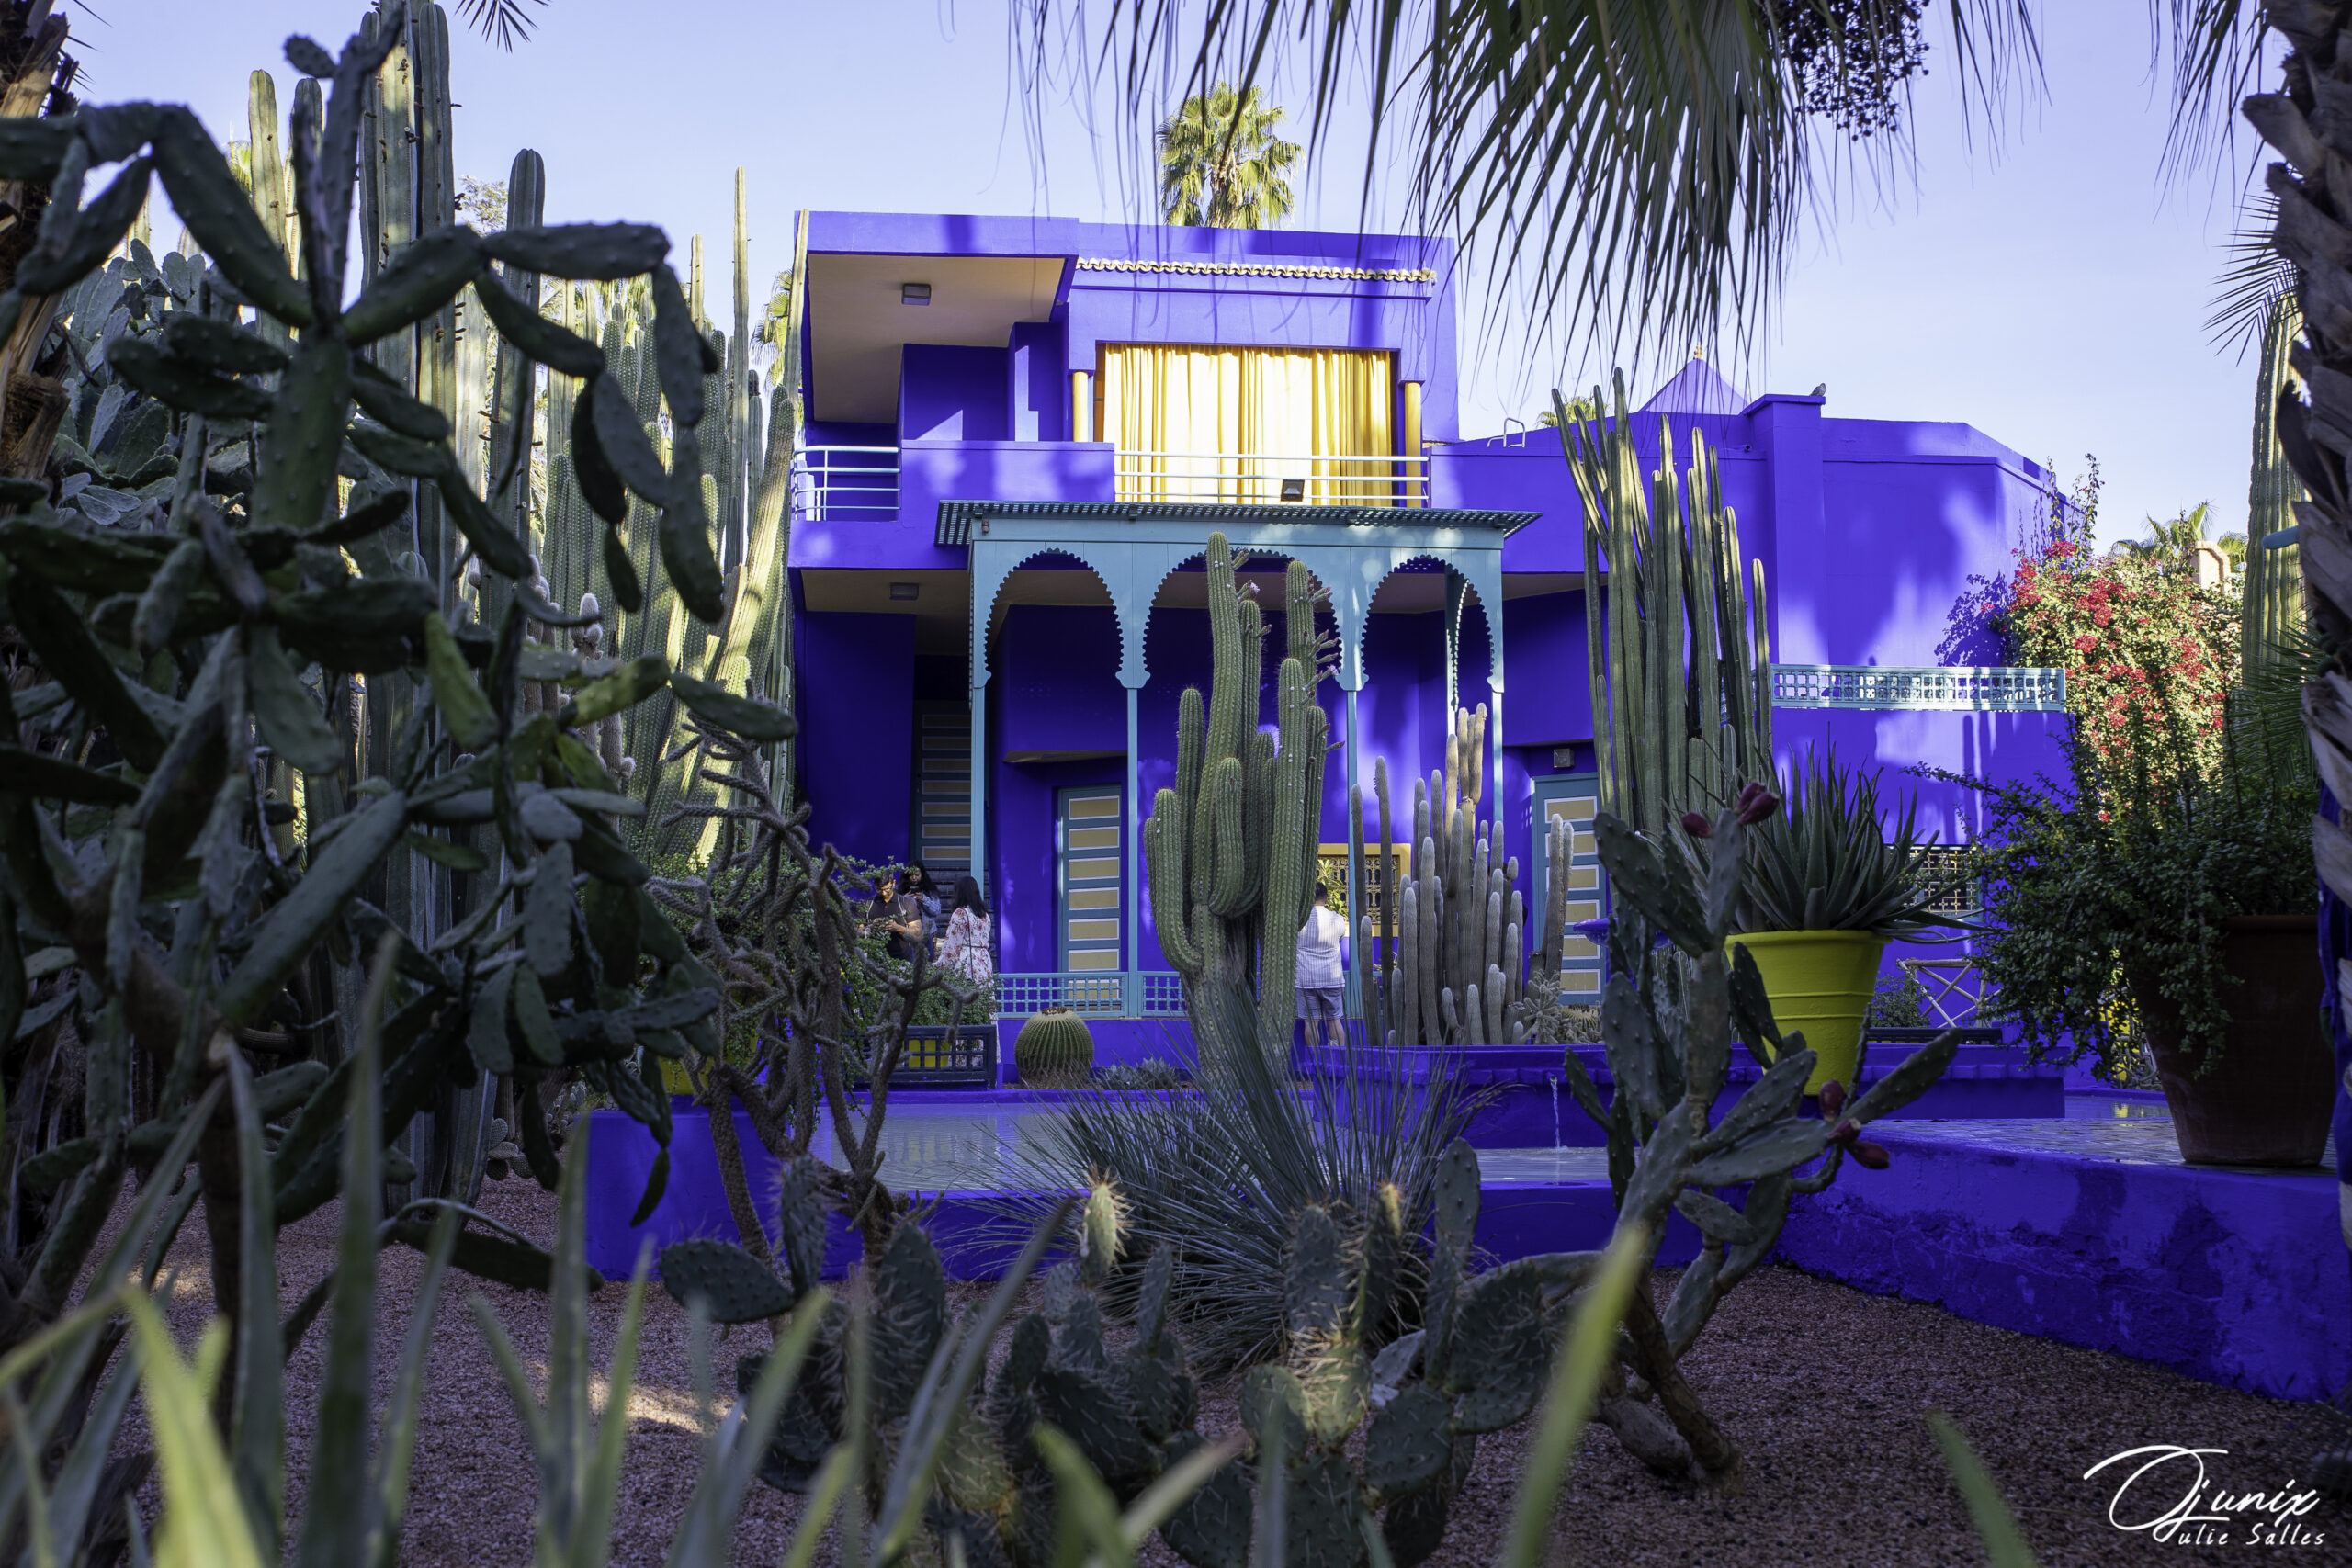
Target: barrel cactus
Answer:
[[1054, 1050]]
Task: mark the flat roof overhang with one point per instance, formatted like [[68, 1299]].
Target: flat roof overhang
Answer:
[[859, 324]]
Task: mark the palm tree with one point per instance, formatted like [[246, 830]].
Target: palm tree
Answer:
[[1220, 163]]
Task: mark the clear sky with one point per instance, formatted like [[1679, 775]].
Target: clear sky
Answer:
[[2051, 293]]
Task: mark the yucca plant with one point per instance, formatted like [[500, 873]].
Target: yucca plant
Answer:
[[1831, 859]]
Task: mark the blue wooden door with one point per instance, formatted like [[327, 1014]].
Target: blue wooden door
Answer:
[[1091, 849], [1576, 797]]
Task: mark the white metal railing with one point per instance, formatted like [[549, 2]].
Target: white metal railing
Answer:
[[2015, 689], [845, 484], [1264, 478]]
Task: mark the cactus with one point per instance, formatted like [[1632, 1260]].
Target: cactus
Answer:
[[246, 593], [2273, 623], [1419, 1403], [1129, 1412], [1054, 1050], [1446, 965], [1683, 644], [1669, 1021], [1416, 1406], [1231, 848]]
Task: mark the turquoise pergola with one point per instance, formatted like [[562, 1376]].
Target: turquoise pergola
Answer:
[[1134, 547]]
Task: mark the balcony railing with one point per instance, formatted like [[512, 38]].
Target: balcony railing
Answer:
[[1266, 478], [2016, 689], [845, 484]]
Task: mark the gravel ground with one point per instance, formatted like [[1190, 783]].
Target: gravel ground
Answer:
[[1842, 1467]]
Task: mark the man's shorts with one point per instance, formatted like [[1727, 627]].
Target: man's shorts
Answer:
[[1315, 1005]]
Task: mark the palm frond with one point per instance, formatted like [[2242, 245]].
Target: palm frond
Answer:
[[2252, 283], [1640, 166], [2216, 52], [502, 22]]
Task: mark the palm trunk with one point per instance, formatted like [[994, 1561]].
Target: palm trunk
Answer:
[[2305, 123]]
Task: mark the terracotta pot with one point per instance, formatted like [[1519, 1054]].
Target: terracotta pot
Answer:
[[2268, 1099]]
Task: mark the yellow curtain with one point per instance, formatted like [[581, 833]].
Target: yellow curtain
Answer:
[[1195, 423]]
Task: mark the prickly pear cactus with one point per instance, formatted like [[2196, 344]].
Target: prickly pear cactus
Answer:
[[1130, 1411], [1669, 1019], [1420, 1401]]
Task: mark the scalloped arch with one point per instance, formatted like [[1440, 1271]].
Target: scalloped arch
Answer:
[[984, 621], [1471, 594]]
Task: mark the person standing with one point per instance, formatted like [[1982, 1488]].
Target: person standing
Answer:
[[925, 893], [964, 946], [1319, 980], [894, 914]]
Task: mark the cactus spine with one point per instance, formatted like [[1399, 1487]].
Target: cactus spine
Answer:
[[1682, 682], [2273, 623], [1231, 848]]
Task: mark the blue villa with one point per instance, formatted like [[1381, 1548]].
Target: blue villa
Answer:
[[1019, 434], [1019, 431]]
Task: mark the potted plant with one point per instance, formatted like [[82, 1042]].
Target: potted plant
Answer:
[[1829, 884], [2193, 904]]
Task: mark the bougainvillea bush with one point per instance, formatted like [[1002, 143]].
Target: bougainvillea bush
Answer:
[[2150, 656]]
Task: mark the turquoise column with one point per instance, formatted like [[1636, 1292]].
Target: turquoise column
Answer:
[[1132, 844], [1359, 897]]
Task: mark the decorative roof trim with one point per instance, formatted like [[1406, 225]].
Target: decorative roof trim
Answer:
[[956, 517], [1262, 269]]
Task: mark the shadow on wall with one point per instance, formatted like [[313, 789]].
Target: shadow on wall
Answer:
[[1973, 635]]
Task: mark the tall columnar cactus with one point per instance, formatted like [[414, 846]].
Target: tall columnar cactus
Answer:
[[739, 408], [435, 184], [1682, 681], [513, 393], [1447, 967], [272, 184], [1232, 847], [2273, 587]]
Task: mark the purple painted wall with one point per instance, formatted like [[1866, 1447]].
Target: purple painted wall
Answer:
[[1058, 665], [856, 680], [1037, 387], [934, 471], [954, 394]]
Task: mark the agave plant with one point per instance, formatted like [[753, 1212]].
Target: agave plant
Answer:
[[1830, 861]]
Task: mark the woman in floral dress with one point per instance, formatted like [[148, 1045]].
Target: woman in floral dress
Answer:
[[964, 947]]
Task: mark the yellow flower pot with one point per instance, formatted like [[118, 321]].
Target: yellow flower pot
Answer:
[[1819, 982]]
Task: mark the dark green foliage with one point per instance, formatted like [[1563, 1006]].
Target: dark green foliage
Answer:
[[2116, 889], [212, 828]]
